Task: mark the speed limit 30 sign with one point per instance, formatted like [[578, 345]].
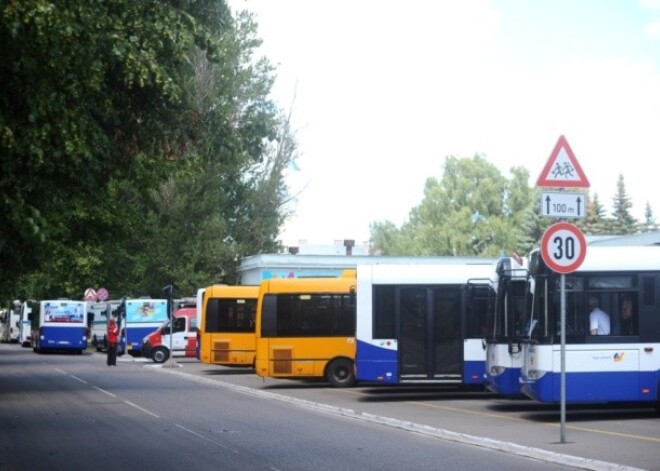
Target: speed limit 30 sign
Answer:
[[563, 247]]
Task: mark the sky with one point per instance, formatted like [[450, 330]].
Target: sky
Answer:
[[381, 92]]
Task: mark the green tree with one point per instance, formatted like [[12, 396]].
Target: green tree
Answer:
[[90, 90], [595, 222], [623, 222], [649, 224], [472, 210], [138, 145]]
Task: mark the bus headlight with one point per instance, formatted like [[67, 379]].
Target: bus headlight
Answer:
[[496, 370], [535, 374]]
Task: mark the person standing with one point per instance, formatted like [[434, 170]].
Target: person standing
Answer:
[[112, 339]]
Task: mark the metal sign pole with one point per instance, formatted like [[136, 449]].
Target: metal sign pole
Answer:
[[171, 316], [562, 390], [168, 291]]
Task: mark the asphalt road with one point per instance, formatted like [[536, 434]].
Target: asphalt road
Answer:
[[597, 436], [73, 412]]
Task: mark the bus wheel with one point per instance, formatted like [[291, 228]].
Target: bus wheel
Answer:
[[340, 373], [160, 355]]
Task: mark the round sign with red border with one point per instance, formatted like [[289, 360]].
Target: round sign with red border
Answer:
[[563, 247], [102, 294]]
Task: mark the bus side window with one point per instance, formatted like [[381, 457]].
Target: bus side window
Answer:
[[628, 317]]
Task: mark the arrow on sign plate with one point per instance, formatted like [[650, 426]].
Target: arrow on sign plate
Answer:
[[563, 205]]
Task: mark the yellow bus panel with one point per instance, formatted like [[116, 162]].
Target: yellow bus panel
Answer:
[[226, 328], [306, 329]]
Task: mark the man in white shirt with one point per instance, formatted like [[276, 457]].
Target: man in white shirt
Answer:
[[599, 320]]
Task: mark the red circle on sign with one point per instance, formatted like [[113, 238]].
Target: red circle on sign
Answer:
[[102, 294], [563, 247]]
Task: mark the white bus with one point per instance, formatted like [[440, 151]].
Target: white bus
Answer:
[[62, 326], [622, 362], [504, 356], [423, 323], [10, 319], [25, 324], [98, 322]]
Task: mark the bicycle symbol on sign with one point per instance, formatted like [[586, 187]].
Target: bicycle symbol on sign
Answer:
[[564, 170]]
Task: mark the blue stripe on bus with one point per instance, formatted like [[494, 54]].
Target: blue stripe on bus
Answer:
[[381, 365], [63, 338], [136, 334], [505, 384], [474, 372], [626, 386], [376, 364]]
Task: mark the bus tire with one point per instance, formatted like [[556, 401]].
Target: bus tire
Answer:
[[340, 373], [160, 355]]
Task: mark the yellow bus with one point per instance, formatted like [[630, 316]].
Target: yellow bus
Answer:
[[306, 329], [226, 327]]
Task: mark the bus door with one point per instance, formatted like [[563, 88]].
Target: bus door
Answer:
[[430, 339]]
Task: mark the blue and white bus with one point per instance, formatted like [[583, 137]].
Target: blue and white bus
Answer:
[[622, 364], [504, 357], [62, 326], [423, 324], [137, 319]]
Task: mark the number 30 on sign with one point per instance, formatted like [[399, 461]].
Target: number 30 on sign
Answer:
[[563, 247]]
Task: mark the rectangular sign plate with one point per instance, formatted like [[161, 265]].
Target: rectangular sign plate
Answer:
[[563, 205]]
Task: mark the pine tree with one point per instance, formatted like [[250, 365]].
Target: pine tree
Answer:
[[595, 223], [624, 222], [649, 224]]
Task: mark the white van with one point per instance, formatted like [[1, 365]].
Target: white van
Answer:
[[184, 337]]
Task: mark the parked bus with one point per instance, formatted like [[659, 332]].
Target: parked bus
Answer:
[[306, 329], [99, 313], [504, 357], [138, 318], [199, 303], [4, 314], [621, 363], [10, 323], [226, 334], [62, 325], [423, 324], [25, 324]]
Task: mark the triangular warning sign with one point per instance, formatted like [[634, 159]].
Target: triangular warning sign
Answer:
[[562, 169]]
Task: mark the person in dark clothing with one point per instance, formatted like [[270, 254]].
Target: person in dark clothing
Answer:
[[113, 338], [627, 318]]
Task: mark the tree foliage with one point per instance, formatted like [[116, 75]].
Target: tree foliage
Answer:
[[471, 210], [137, 139], [623, 222], [649, 224], [474, 210]]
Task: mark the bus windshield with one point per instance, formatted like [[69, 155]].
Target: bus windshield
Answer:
[[138, 311], [62, 311]]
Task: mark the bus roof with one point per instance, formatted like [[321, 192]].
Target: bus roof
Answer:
[[413, 274], [309, 285], [621, 258]]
